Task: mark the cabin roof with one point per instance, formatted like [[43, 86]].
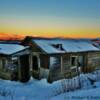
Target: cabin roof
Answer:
[[8, 49], [96, 42], [68, 45]]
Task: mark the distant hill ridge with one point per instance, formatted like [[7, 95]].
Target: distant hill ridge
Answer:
[[17, 40]]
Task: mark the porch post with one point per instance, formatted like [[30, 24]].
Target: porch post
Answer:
[[85, 62], [30, 61], [39, 66], [61, 65], [19, 68], [39, 62]]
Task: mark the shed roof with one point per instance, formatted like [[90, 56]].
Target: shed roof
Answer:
[[68, 45], [9, 49]]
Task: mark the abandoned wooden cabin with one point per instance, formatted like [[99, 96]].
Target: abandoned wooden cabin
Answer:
[[52, 59], [61, 58], [9, 62]]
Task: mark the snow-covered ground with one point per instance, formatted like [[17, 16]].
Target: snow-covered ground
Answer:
[[59, 90], [90, 94]]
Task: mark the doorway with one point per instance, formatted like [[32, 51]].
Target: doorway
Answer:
[[24, 68], [35, 67], [35, 63]]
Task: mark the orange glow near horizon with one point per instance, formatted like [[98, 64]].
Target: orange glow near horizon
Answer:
[[50, 32], [16, 36]]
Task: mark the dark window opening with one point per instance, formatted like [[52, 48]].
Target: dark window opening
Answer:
[[35, 63], [74, 61]]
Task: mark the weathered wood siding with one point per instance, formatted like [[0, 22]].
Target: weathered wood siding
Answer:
[[65, 70], [44, 66], [55, 70], [44, 61], [68, 70], [66, 63], [44, 73], [93, 60], [4, 72]]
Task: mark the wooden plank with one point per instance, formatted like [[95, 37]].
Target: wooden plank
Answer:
[[61, 65]]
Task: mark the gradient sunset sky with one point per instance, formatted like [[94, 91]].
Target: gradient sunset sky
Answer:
[[59, 18]]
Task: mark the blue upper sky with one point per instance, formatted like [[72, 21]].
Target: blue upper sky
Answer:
[[70, 8]]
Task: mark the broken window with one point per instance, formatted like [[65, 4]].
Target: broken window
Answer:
[[54, 62], [12, 64], [4, 63], [74, 61]]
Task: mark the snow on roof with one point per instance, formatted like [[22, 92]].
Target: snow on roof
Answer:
[[68, 45], [8, 49], [96, 43]]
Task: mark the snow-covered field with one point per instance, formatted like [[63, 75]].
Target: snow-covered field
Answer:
[[87, 94], [59, 90]]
